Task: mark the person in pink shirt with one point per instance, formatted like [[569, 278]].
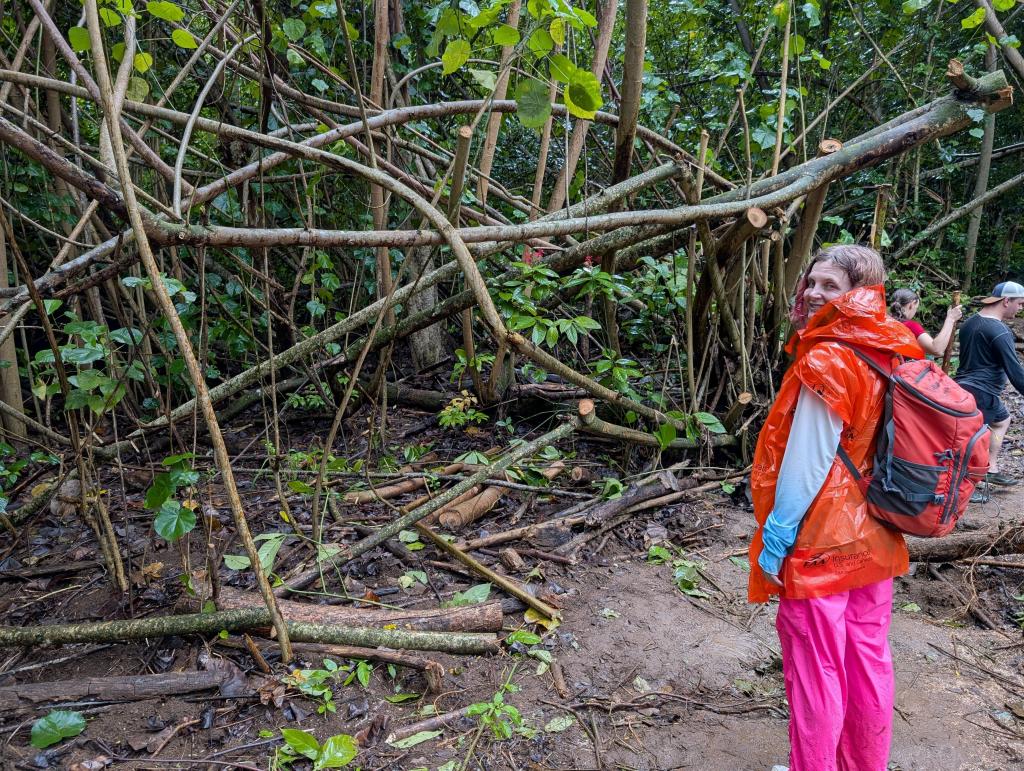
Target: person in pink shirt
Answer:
[[903, 307]]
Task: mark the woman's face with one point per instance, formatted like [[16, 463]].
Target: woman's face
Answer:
[[825, 282], [910, 309]]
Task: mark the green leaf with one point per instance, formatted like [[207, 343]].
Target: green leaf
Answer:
[[558, 724], [336, 752], [158, 492], [294, 29], [665, 434], [165, 10], [913, 6], [143, 62], [534, 107], [540, 42], [174, 460], [583, 95], [268, 552], [504, 35], [486, 79], [110, 17], [79, 39], [236, 562], [456, 53], [523, 636], [55, 727], [713, 424], [557, 31], [1003, 5], [813, 13], [561, 68], [972, 21], [399, 698], [408, 536], [797, 44], [412, 741], [174, 520], [184, 39], [301, 742], [472, 596]]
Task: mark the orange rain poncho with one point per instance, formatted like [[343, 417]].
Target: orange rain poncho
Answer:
[[839, 545]]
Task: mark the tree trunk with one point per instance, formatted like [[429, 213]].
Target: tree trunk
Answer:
[[606, 26], [625, 135], [494, 121], [995, 29], [958, 546], [10, 381], [120, 688], [980, 184]]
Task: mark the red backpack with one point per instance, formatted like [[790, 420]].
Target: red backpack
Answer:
[[932, 449]]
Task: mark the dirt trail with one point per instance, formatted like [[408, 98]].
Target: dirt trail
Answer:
[[656, 679]]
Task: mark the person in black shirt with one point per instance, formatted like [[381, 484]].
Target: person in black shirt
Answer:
[[987, 360]]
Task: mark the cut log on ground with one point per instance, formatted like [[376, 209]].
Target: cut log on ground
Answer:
[[238, 620], [467, 512], [483, 617], [592, 424], [960, 546], [120, 688]]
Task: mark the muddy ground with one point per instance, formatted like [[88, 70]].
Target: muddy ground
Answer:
[[655, 678]]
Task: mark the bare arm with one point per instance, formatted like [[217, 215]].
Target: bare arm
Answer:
[[937, 345]]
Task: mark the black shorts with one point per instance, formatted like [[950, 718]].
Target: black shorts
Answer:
[[991, 406]]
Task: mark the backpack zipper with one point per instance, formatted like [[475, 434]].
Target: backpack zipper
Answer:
[[964, 471]]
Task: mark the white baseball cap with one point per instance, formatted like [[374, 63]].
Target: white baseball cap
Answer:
[[1003, 291]]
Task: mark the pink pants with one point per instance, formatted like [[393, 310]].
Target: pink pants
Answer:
[[839, 679]]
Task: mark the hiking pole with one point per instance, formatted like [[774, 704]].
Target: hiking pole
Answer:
[[952, 336]]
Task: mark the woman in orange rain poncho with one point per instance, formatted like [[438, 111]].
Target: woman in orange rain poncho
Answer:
[[815, 544]]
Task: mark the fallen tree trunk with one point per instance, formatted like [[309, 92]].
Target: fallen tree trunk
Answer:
[[120, 688], [238, 620], [483, 617], [961, 546], [392, 529]]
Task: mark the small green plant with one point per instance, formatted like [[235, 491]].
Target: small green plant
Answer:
[[315, 684], [414, 452], [477, 362], [617, 373], [461, 411], [686, 573], [501, 718], [173, 518], [337, 752], [307, 399]]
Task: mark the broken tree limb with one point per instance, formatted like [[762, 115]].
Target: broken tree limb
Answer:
[[595, 425], [120, 688], [803, 238], [389, 531], [467, 512], [482, 617], [395, 489], [506, 584], [953, 216], [959, 546], [238, 620]]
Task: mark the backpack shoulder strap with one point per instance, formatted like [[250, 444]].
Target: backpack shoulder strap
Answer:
[[868, 359]]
